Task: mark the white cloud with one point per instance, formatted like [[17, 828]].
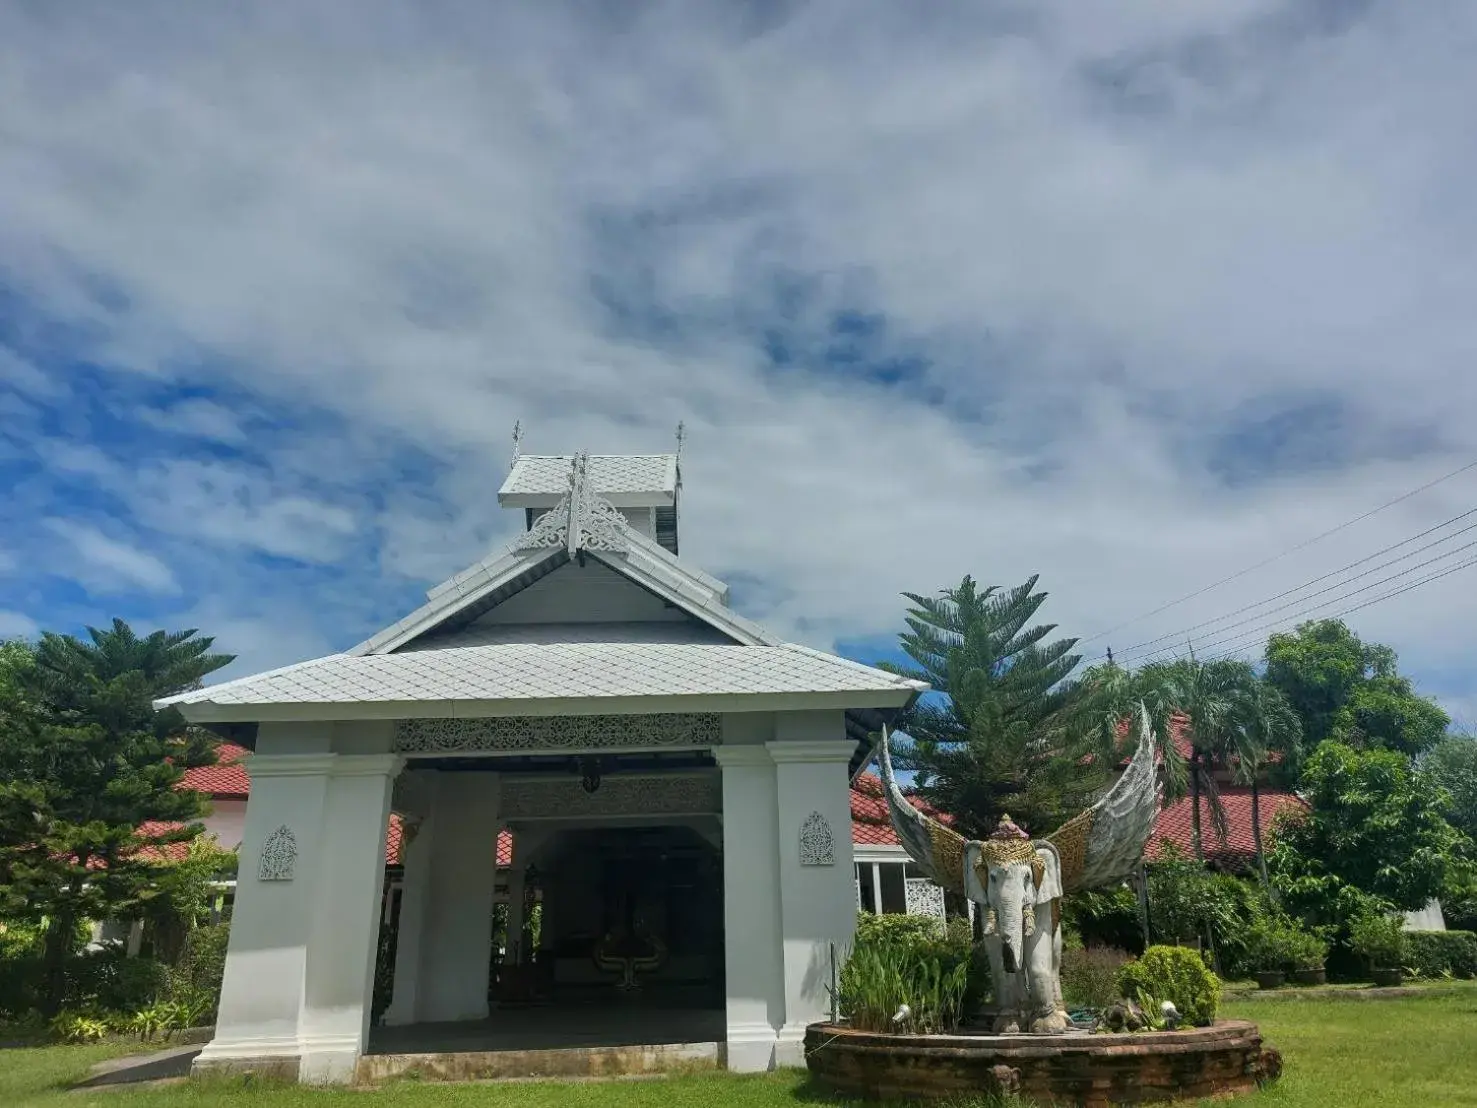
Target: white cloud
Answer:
[[17, 625], [108, 565], [203, 419], [1108, 237]]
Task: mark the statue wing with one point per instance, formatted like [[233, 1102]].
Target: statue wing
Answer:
[[938, 850], [1105, 843]]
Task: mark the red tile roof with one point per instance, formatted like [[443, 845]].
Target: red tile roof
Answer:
[[226, 780], [1175, 825], [870, 825]]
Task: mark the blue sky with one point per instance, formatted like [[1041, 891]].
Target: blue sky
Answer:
[[1131, 296]]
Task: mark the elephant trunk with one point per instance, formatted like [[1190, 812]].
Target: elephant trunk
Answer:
[[1012, 937]]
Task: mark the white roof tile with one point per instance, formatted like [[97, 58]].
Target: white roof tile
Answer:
[[525, 671], [610, 474]]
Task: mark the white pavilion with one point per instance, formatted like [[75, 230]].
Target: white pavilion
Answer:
[[677, 778]]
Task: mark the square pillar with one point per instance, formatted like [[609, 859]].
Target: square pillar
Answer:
[[454, 967], [816, 868], [417, 847], [753, 967], [349, 901], [281, 862]]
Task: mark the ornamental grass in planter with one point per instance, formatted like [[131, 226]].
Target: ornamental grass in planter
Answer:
[[1381, 941]]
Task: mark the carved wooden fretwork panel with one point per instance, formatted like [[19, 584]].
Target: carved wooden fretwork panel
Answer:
[[923, 898], [535, 733], [566, 798], [817, 844], [279, 856]]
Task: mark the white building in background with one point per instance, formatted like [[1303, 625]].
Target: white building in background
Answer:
[[676, 783]]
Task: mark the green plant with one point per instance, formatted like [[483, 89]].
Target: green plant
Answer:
[[1177, 974], [1106, 918], [898, 987], [1442, 953], [896, 928], [195, 980], [1278, 943], [1380, 939], [1090, 975], [79, 1027]]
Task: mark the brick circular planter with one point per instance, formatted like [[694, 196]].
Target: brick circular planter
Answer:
[[1091, 1071]]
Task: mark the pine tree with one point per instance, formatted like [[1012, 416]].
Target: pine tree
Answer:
[[85, 764], [992, 738]]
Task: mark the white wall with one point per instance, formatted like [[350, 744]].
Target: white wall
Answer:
[[227, 822], [592, 593]]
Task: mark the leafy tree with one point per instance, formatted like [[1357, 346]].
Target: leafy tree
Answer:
[[1376, 828], [1452, 764], [85, 763], [1346, 689], [994, 740]]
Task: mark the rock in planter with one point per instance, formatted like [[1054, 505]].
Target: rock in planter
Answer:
[[1312, 976], [1270, 979]]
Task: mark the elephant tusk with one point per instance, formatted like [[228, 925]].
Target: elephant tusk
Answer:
[[991, 924]]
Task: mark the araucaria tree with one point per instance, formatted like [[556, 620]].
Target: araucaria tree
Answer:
[[85, 763], [992, 739]]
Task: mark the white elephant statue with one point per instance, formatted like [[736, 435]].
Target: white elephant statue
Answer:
[[1018, 883]]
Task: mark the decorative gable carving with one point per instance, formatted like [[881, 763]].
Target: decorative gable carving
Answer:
[[582, 520], [279, 856], [817, 844], [562, 733]]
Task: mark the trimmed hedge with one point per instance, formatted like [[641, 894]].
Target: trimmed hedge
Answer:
[[1438, 953]]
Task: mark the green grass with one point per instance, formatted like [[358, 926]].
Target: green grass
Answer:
[[1350, 1053]]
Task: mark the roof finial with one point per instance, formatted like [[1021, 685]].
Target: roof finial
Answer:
[[517, 443], [681, 436]]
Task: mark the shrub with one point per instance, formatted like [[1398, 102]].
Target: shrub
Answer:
[[1108, 918], [897, 928], [880, 978], [200, 969], [1439, 953], [1177, 974], [80, 1027], [1380, 939], [1090, 975], [1278, 943]]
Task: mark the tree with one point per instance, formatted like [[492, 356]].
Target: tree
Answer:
[[1452, 764], [1344, 688], [86, 763], [994, 741], [1375, 826], [1210, 700], [1268, 726]]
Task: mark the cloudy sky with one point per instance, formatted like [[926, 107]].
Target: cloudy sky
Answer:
[[1134, 296]]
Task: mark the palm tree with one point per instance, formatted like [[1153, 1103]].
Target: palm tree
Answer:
[[1268, 726], [1205, 698]]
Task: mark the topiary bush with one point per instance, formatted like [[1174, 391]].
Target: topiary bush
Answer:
[[1090, 975], [1439, 953], [1177, 974]]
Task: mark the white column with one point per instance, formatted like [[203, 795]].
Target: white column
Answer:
[[753, 967], [463, 882], [876, 889], [262, 993], [348, 901], [817, 917], [516, 890], [416, 847]]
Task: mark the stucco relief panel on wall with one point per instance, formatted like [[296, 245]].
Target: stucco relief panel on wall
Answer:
[[509, 733], [817, 844], [617, 796], [279, 856]]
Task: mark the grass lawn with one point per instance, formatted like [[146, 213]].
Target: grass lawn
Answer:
[[1350, 1053]]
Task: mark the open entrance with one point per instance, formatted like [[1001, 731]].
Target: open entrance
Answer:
[[622, 951]]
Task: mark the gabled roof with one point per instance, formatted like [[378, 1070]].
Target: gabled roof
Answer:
[[626, 480], [226, 779], [472, 677], [583, 524]]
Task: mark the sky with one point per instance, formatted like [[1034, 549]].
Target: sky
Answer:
[[1133, 296]]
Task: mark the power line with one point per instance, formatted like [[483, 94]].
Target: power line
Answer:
[[1404, 573], [1247, 641], [1278, 557], [1136, 651]]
